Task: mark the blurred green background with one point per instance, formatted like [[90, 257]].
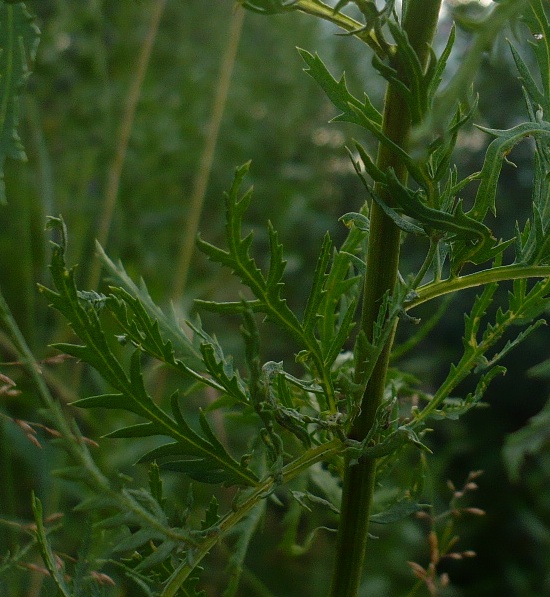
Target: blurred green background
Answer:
[[74, 114]]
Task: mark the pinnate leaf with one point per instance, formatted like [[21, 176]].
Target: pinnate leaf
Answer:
[[131, 394], [339, 95]]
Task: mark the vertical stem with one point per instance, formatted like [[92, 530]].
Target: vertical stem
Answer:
[[419, 22]]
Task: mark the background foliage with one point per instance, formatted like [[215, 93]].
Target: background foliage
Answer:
[[76, 102]]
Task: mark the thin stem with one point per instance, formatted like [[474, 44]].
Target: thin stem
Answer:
[[432, 252], [207, 158], [73, 445], [318, 9], [382, 268], [290, 471], [498, 274], [72, 442], [115, 170]]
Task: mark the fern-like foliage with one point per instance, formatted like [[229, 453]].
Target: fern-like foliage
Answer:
[[329, 312], [524, 307], [202, 457], [301, 419], [432, 206], [139, 305]]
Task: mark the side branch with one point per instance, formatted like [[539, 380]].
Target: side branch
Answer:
[[503, 273]]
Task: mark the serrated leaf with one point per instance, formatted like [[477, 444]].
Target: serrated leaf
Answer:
[[221, 369], [536, 95], [19, 37], [437, 74], [311, 312], [339, 95], [238, 258], [494, 157], [139, 301], [46, 551], [132, 394], [266, 289]]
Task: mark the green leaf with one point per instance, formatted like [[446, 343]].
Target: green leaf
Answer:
[[19, 37], [494, 157], [306, 498], [311, 313], [159, 555], [131, 393], [166, 329], [339, 95], [528, 81], [440, 66], [220, 367], [266, 289], [48, 557], [415, 90], [341, 335], [211, 516], [354, 218], [156, 485], [238, 259], [539, 26]]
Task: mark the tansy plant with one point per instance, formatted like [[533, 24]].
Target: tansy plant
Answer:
[[346, 421]]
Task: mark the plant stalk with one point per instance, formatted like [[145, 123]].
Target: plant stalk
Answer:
[[420, 21]]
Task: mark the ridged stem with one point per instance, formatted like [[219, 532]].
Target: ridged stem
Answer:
[[419, 22]]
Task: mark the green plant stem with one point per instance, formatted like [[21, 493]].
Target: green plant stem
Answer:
[[72, 443], [502, 273], [70, 435], [420, 22], [243, 507]]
